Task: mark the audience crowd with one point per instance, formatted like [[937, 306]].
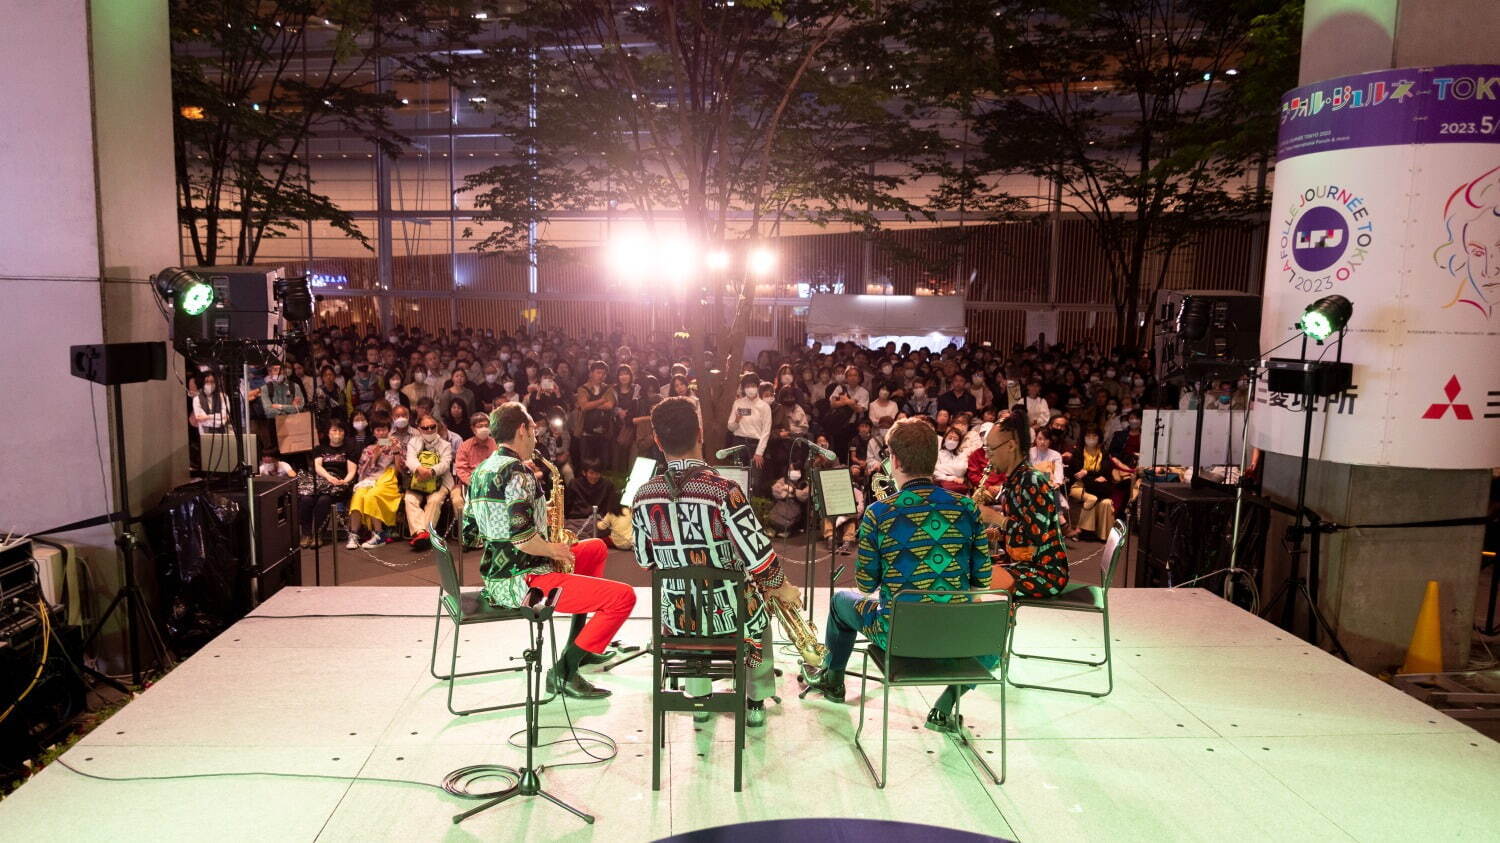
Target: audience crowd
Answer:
[[401, 418]]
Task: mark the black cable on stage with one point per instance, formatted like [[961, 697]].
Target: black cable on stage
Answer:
[[190, 776]]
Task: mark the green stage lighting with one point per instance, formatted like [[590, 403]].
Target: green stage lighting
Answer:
[[186, 291], [1326, 316]]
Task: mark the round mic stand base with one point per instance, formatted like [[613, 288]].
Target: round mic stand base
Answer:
[[528, 781]]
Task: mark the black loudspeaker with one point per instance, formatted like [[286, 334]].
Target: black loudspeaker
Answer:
[[119, 362], [1182, 533], [1303, 377], [1202, 334], [244, 308], [274, 559], [46, 714]]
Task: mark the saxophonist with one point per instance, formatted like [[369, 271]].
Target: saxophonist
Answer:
[[924, 537], [507, 512], [690, 515]]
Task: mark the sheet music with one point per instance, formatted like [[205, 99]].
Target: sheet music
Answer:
[[838, 492], [643, 470]]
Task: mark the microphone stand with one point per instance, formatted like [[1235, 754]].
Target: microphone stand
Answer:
[[814, 525], [528, 777]]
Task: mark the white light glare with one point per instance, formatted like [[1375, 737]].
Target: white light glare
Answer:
[[629, 256], [718, 260], [678, 259], [761, 261]]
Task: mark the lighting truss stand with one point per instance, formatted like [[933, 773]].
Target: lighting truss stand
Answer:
[[528, 778]]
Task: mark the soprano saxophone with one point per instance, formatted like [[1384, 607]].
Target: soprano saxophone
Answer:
[[557, 529], [803, 635]]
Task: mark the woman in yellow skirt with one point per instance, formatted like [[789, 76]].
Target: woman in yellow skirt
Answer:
[[377, 492]]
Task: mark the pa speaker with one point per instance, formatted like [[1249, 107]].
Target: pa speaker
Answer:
[[119, 362], [1202, 334]]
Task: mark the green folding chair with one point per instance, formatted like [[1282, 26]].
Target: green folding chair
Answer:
[[938, 643], [465, 608], [1077, 597], [679, 657]]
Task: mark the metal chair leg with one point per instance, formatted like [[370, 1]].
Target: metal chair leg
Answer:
[[965, 739], [1105, 662], [859, 730]]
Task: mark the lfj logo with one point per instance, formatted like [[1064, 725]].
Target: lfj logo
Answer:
[[1325, 237], [1460, 411]]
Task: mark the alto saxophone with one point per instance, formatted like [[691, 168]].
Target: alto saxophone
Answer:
[[984, 496], [557, 529], [883, 482]]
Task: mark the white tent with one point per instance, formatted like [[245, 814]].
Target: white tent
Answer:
[[924, 321]]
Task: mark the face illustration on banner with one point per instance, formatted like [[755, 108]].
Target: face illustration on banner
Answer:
[[1325, 237], [1471, 253]]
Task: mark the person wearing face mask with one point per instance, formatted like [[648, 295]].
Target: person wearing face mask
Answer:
[[883, 410], [377, 490], [210, 410], [952, 468], [1125, 449], [429, 461], [1091, 487], [363, 387], [360, 435], [333, 478], [1112, 420], [920, 401], [956, 560], [750, 424], [277, 397], [488, 391], [393, 394], [401, 425], [474, 450]]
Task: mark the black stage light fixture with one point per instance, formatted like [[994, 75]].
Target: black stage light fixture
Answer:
[[1193, 319], [296, 299], [187, 292], [1326, 317]]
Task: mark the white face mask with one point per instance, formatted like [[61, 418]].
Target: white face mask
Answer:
[[430, 438], [491, 377], [951, 444], [481, 433], [751, 392], [400, 422], [919, 392], [208, 389], [359, 426]]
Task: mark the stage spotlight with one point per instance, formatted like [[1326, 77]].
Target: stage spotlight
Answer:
[[761, 261], [186, 291], [296, 298], [1326, 316], [629, 256], [717, 260], [678, 259]]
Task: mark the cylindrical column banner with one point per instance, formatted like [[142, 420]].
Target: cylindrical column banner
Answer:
[[1388, 193]]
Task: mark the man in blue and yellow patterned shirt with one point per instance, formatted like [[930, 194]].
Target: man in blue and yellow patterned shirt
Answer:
[[924, 537]]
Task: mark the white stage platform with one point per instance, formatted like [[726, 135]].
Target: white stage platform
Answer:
[[1220, 726]]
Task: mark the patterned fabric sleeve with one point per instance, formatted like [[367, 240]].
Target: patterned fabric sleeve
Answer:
[[520, 494], [868, 564], [749, 537], [979, 547], [642, 526], [483, 512]]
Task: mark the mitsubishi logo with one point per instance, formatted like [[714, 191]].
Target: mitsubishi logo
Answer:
[[1460, 411]]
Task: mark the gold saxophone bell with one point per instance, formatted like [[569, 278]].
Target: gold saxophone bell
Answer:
[[883, 482], [803, 635]]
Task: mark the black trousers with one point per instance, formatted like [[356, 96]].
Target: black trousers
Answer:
[[313, 510]]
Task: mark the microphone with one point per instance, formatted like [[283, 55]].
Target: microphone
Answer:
[[726, 453], [818, 449]]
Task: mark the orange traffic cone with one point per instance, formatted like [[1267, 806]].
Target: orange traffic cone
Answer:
[[1425, 655]]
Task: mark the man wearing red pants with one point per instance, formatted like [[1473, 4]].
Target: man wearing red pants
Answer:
[[506, 511]]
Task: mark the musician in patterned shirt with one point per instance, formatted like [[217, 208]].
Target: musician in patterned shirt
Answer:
[[923, 538], [691, 515], [507, 512], [1033, 560]]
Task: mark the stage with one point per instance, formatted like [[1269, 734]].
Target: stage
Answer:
[[1220, 726]]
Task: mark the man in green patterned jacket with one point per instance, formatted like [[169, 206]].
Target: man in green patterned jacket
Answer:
[[924, 537]]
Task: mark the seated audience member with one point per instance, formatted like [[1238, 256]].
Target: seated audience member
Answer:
[[332, 479], [429, 462], [457, 420], [377, 490], [1092, 488], [589, 492], [952, 471], [272, 466], [210, 409], [473, 451], [615, 528]]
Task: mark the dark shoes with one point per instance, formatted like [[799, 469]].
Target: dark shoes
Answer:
[[574, 686], [609, 655], [942, 722], [829, 683]]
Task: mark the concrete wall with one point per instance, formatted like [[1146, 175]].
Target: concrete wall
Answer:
[[87, 212]]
